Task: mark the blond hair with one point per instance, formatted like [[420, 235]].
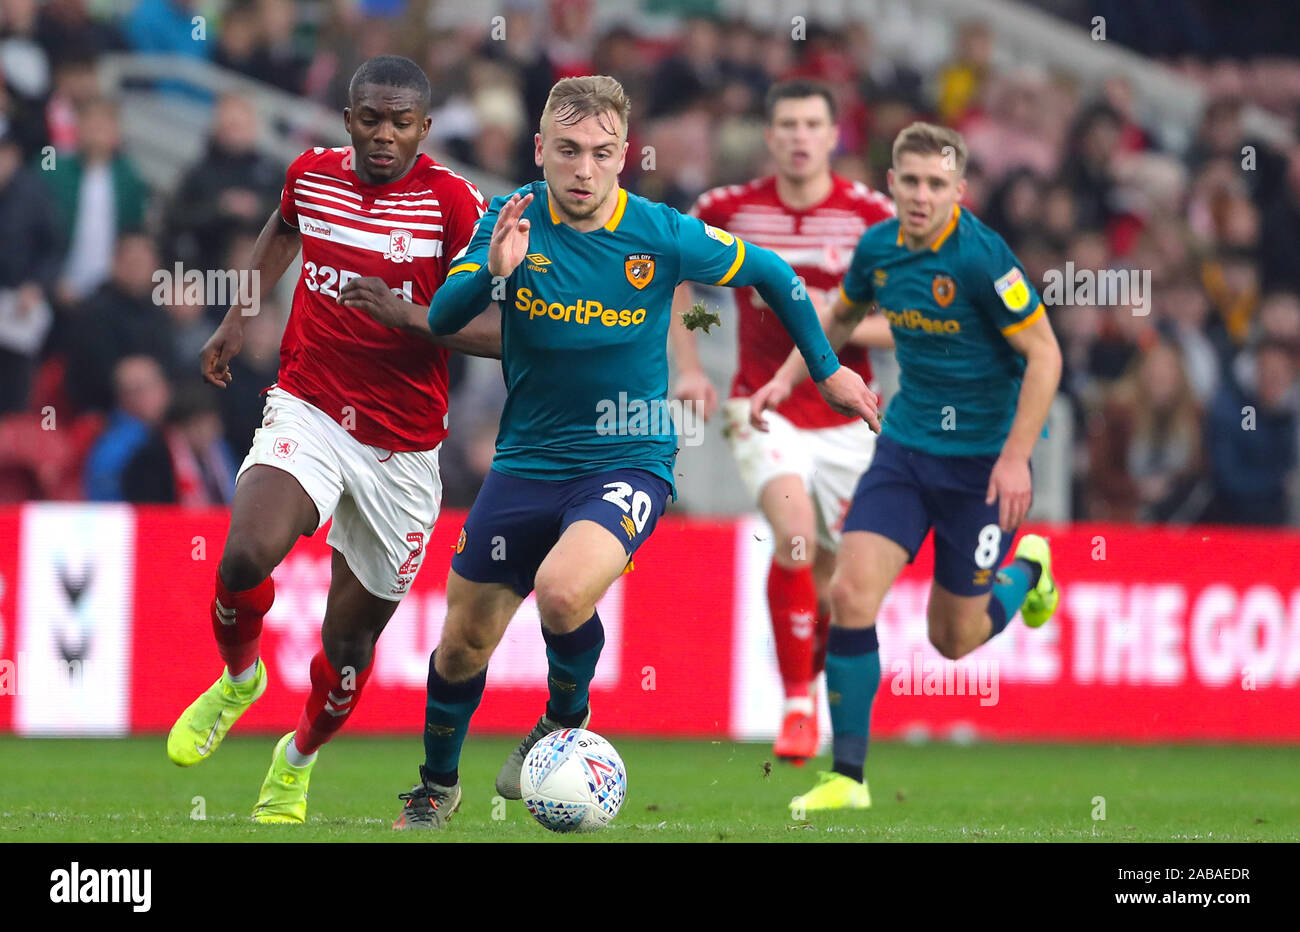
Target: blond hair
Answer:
[[929, 139], [574, 99]]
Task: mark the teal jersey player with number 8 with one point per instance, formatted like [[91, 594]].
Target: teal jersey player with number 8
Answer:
[[978, 368]]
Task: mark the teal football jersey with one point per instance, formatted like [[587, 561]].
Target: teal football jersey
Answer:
[[584, 330], [950, 308]]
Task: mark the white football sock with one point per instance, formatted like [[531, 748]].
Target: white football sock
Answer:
[[243, 676], [296, 757], [801, 704]]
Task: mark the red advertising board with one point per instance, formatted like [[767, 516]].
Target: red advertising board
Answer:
[[664, 668], [1188, 635]]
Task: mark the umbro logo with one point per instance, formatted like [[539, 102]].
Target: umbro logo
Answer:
[[537, 262]]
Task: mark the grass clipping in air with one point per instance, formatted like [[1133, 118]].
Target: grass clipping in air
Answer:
[[700, 317]]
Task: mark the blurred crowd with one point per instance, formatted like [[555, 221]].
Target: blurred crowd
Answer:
[[1185, 402]]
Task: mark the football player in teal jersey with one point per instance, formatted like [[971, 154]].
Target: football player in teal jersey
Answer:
[[978, 369], [584, 274]]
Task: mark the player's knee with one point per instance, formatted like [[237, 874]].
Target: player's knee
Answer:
[[853, 601], [948, 644], [353, 654], [244, 564], [464, 650], [560, 601]]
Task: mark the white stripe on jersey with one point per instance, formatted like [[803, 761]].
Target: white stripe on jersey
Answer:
[[344, 181], [374, 242], [331, 186], [795, 240], [378, 200], [767, 209], [382, 221], [809, 256], [428, 201], [299, 191], [478, 195]]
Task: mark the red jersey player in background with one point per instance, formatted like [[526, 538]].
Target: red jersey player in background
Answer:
[[803, 471], [352, 427]]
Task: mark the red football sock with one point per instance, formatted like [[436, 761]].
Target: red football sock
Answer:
[[819, 642], [237, 622], [792, 599], [330, 704]]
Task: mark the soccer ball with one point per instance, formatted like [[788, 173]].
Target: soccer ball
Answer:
[[573, 781]]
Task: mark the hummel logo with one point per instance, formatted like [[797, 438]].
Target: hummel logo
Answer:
[[334, 703], [205, 748], [225, 615]]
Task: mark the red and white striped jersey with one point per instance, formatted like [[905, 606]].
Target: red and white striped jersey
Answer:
[[818, 243], [387, 387]]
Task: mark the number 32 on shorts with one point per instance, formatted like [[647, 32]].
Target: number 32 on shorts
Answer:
[[636, 512]]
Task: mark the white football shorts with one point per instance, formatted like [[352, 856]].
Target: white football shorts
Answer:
[[384, 502], [830, 460]]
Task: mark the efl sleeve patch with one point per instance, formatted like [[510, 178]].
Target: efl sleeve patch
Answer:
[[722, 236], [1013, 290]]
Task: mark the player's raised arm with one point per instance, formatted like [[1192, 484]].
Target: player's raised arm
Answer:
[[498, 246], [276, 247], [693, 383], [714, 256]]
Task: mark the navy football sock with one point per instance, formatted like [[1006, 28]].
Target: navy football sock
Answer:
[[1011, 585], [852, 675], [447, 712], [572, 658]]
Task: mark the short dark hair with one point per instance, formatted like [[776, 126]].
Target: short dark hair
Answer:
[[392, 71], [797, 90]]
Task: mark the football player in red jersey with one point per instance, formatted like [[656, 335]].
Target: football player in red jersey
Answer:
[[802, 472], [352, 427]]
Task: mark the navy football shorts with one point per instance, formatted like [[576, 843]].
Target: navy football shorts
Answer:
[[905, 492], [515, 522]]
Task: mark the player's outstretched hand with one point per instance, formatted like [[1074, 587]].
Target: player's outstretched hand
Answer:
[[695, 387], [768, 398], [509, 242], [222, 346], [371, 296], [1011, 486], [845, 391]]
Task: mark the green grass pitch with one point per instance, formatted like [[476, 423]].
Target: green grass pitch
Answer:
[[127, 790]]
